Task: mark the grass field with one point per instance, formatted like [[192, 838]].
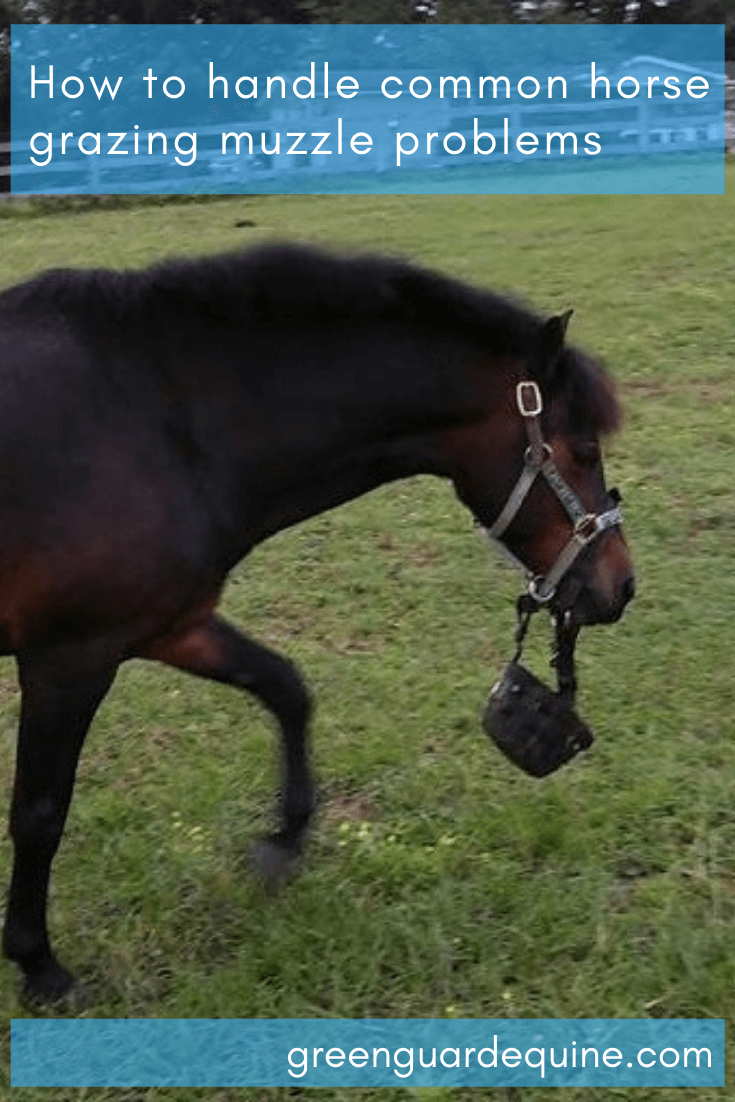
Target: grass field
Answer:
[[440, 881]]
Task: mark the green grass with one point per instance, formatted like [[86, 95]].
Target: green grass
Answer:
[[440, 881]]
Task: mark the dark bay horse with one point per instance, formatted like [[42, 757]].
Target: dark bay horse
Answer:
[[156, 425]]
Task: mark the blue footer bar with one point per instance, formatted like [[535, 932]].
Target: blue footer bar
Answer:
[[148, 1052]]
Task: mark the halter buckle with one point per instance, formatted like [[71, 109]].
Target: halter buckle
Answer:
[[528, 398], [586, 529]]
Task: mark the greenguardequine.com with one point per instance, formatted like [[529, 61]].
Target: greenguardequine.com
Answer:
[[405, 1060]]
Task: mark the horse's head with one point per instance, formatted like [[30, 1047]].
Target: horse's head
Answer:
[[531, 472]]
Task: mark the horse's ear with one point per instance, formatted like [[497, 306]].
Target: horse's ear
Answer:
[[563, 320], [552, 341]]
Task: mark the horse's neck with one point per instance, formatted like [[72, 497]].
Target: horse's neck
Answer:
[[315, 489], [308, 436]]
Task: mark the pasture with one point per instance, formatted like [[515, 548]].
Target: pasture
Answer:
[[440, 881]]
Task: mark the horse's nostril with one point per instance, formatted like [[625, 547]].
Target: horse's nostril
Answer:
[[628, 590]]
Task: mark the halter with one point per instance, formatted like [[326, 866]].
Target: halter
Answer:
[[539, 459]]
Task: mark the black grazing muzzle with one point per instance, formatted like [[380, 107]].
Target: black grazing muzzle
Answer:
[[535, 727]]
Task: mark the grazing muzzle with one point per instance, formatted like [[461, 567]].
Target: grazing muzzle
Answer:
[[539, 460], [533, 726]]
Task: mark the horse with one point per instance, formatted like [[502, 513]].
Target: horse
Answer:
[[156, 425]]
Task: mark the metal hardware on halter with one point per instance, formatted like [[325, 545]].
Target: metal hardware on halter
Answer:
[[539, 459], [529, 385]]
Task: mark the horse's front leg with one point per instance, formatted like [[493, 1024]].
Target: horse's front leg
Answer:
[[213, 649], [57, 707]]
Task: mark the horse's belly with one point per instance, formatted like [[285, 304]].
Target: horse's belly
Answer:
[[104, 588]]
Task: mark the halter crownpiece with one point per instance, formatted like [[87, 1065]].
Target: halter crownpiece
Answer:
[[539, 460]]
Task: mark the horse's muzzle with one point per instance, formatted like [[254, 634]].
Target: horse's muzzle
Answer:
[[590, 607]]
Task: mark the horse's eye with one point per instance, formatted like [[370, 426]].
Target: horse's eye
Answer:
[[587, 452]]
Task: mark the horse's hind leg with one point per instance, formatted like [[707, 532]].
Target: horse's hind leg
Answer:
[[58, 704], [213, 649]]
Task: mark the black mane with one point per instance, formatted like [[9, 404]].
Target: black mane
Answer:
[[293, 286], [588, 393]]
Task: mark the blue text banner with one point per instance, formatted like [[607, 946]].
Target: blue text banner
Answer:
[[367, 1053], [367, 109]]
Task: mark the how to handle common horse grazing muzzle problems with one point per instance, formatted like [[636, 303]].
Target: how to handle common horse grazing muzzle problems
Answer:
[[535, 727]]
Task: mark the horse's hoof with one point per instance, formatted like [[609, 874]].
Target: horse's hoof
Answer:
[[72, 1001], [274, 863], [54, 989]]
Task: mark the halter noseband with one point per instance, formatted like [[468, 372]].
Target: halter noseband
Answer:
[[539, 459]]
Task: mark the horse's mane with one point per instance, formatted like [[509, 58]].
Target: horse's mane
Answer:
[[587, 392], [290, 287]]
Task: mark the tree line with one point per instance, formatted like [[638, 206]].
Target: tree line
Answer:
[[353, 11]]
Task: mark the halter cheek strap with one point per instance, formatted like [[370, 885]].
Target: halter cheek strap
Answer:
[[539, 460]]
